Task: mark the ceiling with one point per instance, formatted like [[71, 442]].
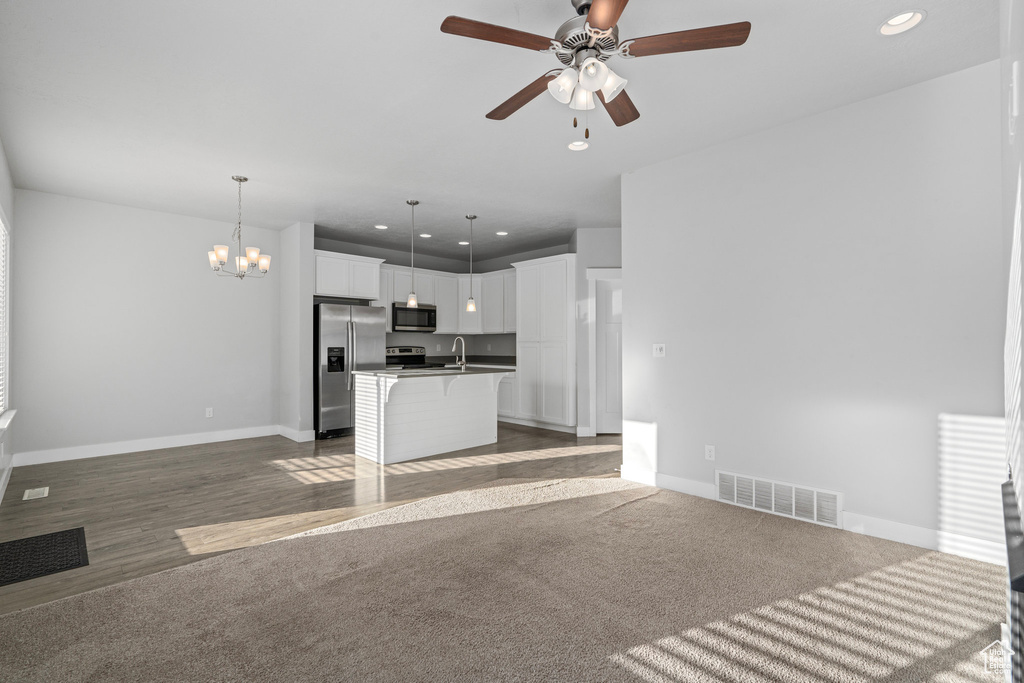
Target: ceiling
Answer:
[[340, 111]]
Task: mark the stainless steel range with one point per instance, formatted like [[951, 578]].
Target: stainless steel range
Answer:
[[405, 357]]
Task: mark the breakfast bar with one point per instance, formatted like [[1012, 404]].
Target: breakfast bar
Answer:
[[407, 414]]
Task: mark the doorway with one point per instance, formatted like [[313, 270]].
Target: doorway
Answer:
[[608, 343], [604, 346]]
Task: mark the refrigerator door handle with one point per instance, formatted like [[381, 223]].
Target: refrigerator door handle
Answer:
[[351, 353]]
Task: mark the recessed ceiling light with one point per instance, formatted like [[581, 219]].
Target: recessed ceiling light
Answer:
[[463, 244], [381, 227], [579, 145], [501, 233], [423, 234], [904, 21]]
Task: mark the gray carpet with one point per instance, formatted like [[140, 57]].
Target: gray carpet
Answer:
[[570, 580]]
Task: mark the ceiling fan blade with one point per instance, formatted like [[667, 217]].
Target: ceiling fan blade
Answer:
[[517, 101], [621, 109], [458, 26], [726, 35], [605, 13]]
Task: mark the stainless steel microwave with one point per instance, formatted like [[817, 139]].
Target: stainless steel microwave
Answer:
[[423, 318]]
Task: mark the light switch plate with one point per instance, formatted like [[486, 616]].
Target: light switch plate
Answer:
[[659, 351]]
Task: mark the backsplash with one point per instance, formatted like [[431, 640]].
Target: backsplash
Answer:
[[476, 344]]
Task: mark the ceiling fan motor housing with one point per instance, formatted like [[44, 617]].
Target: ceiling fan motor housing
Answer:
[[573, 36], [581, 6]]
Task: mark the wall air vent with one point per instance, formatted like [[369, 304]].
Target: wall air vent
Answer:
[[809, 504]]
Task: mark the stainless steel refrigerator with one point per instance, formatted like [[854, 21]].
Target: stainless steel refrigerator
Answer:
[[347, 338]]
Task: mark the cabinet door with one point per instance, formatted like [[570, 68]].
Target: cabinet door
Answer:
[[384, 295], [492, 303], [469, 322], [332, 276], [510, 301], [402, 284], [425, 287], [554, 397], [365, 280], [446, 298], [527, 380], [528, 303], [553, 311], [507, 397]]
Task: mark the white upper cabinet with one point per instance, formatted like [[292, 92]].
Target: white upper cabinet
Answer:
[[510, 301], [470, 322], [385, 297], [344, 275], [446, 298], [491, 303]]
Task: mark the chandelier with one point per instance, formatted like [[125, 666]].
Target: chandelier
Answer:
[[247, 264]]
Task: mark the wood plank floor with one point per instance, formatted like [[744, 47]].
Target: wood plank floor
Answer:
[[146, 512]]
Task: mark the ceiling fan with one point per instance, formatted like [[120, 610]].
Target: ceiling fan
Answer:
[[583, 44]]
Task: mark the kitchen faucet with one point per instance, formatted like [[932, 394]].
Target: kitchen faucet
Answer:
[[460, 363]]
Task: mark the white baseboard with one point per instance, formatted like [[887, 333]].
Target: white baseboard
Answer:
[[922, 537], [115, 448], [296, 435], [585, 431], [540, 425]]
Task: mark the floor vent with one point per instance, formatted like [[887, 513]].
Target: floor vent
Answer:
[[779, 498]]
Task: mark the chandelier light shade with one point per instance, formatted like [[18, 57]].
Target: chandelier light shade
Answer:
[[613, 86], [411, 302], [582, 100], [252, 263], [562, 86], [470, 303], [593, 74]]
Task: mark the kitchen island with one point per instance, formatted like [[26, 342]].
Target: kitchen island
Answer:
[[407, 414]]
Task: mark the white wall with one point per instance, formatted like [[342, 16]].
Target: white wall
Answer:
[[1012, 134], [595, 248], [825, 289], [296, 275], [123, 334], [7, 216]]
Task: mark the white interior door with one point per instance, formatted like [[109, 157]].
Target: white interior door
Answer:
[[608, 323]]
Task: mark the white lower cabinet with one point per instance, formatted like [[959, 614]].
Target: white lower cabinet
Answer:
[[507, 397], [528, 378]]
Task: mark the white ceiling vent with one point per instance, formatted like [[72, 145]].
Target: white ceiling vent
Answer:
[[780, 498]]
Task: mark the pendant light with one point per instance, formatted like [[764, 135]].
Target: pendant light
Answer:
[[411, 302], [252, 263], [470, 304]]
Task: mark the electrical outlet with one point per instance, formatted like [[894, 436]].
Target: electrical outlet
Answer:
[[709, 452], [488, 347], [659, 351], [209, 412], [438, 347]]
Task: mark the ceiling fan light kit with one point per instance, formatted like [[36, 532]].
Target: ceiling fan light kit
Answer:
[[583, 44]]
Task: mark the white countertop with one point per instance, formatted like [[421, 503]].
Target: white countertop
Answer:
[[412, 373]]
